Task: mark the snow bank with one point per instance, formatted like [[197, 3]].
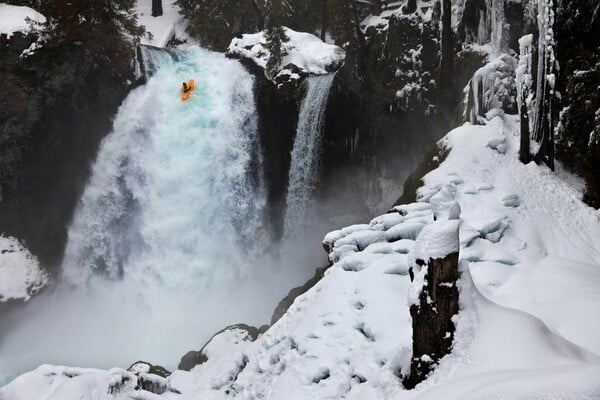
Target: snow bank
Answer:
[[527, 328], [20, 273], [16, 19], [304, 50], [160, 30]]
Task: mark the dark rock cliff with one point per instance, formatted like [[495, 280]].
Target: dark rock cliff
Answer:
[[56, 105], [277, 109]]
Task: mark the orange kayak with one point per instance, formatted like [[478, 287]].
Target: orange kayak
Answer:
[[186, 95]]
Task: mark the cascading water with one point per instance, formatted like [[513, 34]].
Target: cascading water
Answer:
[[149, 211], [305, 161], [164, 247]]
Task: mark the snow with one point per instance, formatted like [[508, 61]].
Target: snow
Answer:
[[529, 318], [160, 30], [436, 241], [15, 19], [496, 80], [20, 273], [391, 10], [304, 50]]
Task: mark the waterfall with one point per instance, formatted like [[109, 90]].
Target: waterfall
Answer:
[[174, 191], [305, 160]]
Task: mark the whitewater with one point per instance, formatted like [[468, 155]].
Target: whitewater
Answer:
[[166, 245]]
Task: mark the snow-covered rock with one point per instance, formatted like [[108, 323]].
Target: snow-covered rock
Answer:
[[308, 53], [17, 19], [395, 9], [160, 30], [21, 275]]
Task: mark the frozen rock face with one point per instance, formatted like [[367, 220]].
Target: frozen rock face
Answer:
[[578, 133], [491, 89], [55, 107]]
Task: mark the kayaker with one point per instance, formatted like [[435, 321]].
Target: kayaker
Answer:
[[186, 88]]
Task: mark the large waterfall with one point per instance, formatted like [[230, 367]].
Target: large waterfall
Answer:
[[305, 162], [165, 245], [149, 211]]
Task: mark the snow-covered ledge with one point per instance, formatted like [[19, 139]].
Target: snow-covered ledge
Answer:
[[20, 273], [304, 54], [17, 19]]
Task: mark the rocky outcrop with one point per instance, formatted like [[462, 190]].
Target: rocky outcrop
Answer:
[[56, 104], [277, 109], [288, 300], [382, 104], [578, 131], [247, 333]]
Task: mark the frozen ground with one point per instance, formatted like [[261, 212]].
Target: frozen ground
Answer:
[[529, 320]]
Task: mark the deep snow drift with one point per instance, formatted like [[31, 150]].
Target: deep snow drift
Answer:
[[529, 300]]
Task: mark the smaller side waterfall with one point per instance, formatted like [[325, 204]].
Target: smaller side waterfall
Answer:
[[305, 161]]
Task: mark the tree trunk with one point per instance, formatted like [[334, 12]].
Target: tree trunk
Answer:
[[524, 152], [157, 9], [376, 7], [410, 7], [433, 328], [324, 20]]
